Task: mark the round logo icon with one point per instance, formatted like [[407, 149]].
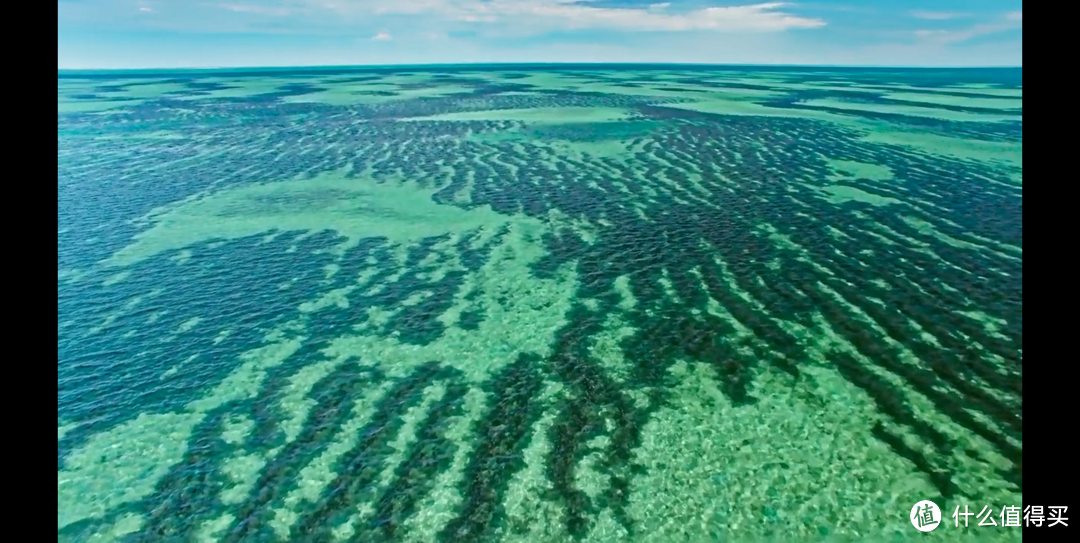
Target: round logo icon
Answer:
[[925, 516]]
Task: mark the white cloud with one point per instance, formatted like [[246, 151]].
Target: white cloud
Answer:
[[328, 31], [954, 36], [257, 9], [568, 14], [938, 15], [490, 19], [1010, 21], [382, 36]]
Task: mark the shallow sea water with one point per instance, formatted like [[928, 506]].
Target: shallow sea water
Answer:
[[537, 304]]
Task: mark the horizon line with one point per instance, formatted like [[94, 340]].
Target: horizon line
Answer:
[[361, 67]]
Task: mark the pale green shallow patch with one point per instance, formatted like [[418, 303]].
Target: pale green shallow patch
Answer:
[[63, 428], [239, 88], [155, 135], [526, 500], [695, 436], [408, 78], [543, 115], [343, 95], [716, 472], [150, 90], [950, 100], [992, 152], [74, 85], [744, 107], [319, 473], [125, 463], [88, 106], [910, 110], [879, 132], [608, 149], [839, 194], [440, 505], [548, 80], [522, 313], [930, 229], [354, 208], [405, 439], [134, 93], [982, 87], [829, 86], [243, 87], [733, 94], [685, 91], [987, 92], [121, 465], [861, 170]]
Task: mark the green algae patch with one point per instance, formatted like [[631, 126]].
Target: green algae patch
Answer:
[[354, 208]]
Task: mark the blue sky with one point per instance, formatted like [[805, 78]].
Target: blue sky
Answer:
[[110, 34]]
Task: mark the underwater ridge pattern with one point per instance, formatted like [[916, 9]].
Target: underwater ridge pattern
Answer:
[[537, 303]]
